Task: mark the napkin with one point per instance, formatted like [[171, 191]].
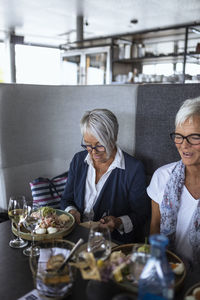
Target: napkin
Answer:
[[45, 255]]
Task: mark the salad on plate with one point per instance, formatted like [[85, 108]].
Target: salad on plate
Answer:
[[51, 222]]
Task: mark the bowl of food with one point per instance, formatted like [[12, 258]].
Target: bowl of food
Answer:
[[52, 279], [55, 223], [193, 293], [140, 252]]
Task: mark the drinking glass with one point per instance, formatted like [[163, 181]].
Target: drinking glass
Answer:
[[16, 212], [51, 283], [31, 222], [138, 261], [99, 242]]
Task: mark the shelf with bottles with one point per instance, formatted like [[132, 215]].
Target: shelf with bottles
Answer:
[[193, 46], [156, 72], [170, 47], [146, 45], [141, 78], [153, 78], [154, 56], [151, 58]]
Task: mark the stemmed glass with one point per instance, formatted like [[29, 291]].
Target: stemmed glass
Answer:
[[31, 222], [16, 212], [138, 261], [99, 242]]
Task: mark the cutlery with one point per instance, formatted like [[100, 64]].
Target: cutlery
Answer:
[[76, 246]]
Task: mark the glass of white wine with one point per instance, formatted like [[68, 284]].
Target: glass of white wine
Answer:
[[16, 212], [99, 242], [31, 222]]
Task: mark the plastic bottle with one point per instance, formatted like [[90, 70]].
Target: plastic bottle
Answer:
[[157, 279]]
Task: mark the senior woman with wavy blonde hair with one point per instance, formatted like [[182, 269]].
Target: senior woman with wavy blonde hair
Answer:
[[106, 184], [175, 187]]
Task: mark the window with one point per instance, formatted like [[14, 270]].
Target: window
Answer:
[[192, 69], [158, 69], [71, 70], [37, 65], [96, 68], [2, 63]]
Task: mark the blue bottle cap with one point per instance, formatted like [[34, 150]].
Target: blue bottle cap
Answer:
[[159, 240]]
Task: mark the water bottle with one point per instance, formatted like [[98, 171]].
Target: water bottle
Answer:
[[157, 279]]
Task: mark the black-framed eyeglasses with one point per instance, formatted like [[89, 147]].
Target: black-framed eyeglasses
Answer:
[[98, 148], [193, 139]]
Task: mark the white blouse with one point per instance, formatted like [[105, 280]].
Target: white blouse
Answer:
[[92, 190]]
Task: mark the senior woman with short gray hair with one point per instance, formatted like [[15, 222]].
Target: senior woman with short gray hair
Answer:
[[175, 187], [106, 184]]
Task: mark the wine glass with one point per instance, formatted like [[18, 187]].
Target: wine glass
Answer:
[[16, 212], [138, 261], [99, 242], [31, 222]]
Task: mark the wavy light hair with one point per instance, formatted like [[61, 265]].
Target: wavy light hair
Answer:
[[103, 125], [189, 109]]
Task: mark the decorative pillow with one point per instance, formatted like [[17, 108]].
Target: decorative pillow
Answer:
[[48, 192]]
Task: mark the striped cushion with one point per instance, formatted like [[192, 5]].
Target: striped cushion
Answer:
[[48, 192]]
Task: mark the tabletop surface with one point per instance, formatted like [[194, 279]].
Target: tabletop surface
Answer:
[[16, 278]]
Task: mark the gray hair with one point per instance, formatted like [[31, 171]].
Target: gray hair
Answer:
[[188, 109], [103, 125]]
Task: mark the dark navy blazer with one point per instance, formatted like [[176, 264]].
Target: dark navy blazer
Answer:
[[124, 193]]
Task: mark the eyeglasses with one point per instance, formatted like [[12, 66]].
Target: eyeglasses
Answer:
[[193, 139], [98, 148]]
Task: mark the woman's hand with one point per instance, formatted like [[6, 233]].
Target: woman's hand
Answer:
[[76, 215], [110, 222]]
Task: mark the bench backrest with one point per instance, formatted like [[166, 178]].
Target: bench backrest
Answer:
[[39, 127]]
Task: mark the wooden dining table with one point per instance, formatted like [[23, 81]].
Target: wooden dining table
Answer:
[[16, 277]]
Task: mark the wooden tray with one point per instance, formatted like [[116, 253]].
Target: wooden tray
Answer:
[[25, 234], [127, 249]]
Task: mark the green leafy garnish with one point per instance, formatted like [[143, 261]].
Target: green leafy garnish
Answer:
[[144, 248], [46, 211]]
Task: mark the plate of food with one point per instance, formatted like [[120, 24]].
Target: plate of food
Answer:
[[143, 250], [193, 293], [54, 223], [118, 266]]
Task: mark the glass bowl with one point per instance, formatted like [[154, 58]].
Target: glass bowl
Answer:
[[50, 282]]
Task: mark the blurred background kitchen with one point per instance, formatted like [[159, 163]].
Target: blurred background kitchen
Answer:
[[84, 42]]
